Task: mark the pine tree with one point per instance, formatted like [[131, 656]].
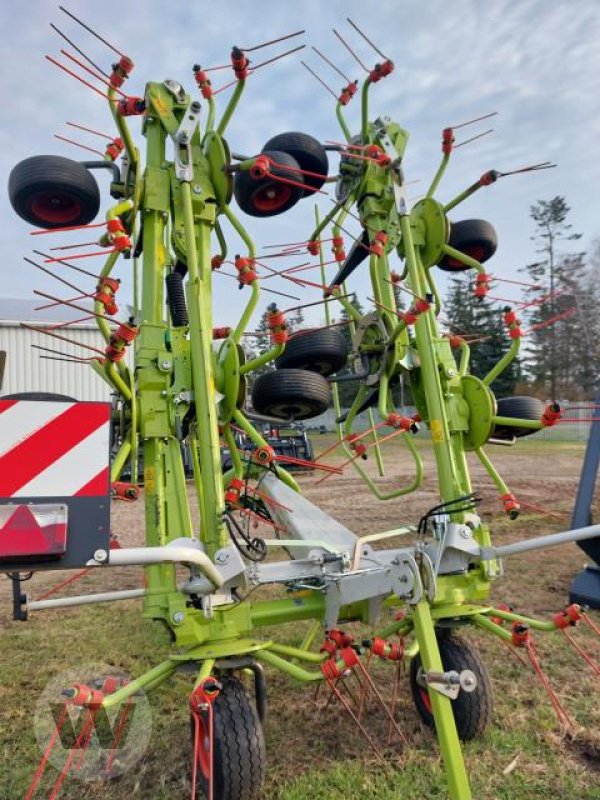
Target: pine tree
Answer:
[[467, 314], [561, 348]]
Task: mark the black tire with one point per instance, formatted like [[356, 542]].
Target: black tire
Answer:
[[267, 197], [323, 351], [38, 396], [239, 759], [308, 152], [291, 394], [53, 192], [517, 408], [472, 710], [475, 237]]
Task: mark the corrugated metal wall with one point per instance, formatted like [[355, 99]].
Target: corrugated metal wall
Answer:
[[27, 372]]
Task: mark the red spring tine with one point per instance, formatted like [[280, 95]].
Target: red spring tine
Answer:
[[66, 229], [386, 308], [77, 77], [52, 305], [73, 246], [297, 169], [82, 255], [357, 722], [52, 275], [517, 283], [118, 734], [272, 41], [46, 755], [226, 86], [586, 657], [276, 58], [71, 266], [93, 74], [350, 50], [321, 81], [297, 268], [284, 273], [568, 313], [78, 308], [78, 144], [395, 695], [355, 239], [382, 702], [78, 50], [367, 40], [473, 138], [588, 621], [67, 355], [92, 31], [90, 130], [286, 245], [532, 168], [332, 65], [270, 291], [81, 362], [304, 463], [316, 303], [561, 713], [472, 121]]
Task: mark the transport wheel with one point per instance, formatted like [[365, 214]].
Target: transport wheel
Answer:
[[53, 192], [38, 396], [239, 757], [267, 197], [308, 152], [475, 237], [291, 393], [517, 408], [472, 710], [322, 351]]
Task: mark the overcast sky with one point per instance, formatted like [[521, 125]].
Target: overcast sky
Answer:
[[535, 62]]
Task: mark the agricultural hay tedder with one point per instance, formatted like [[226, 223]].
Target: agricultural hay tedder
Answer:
[[172, 207]]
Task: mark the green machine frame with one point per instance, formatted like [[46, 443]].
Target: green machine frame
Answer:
[[186, 384]]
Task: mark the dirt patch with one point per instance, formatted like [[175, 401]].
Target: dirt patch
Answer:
[[545, 475]]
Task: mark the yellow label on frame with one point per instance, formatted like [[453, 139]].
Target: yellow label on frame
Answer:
[[437, 431], [150, 480]]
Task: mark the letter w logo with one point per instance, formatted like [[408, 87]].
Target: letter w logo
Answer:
[[109, 735]]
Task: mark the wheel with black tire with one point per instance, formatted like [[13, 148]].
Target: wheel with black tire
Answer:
[[268, 196], [39, 396], [239, 759], [323, 351], [474, 237], [517, 408], [53, 192], [291, 394], [472, 710], [308, 152]]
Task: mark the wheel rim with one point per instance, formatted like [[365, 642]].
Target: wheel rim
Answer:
[[476, 251], [425, 699], [272, 197], [286, 410], [203, 748], [56, 207]]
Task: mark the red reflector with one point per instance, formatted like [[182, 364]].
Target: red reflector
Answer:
[[29, 531]]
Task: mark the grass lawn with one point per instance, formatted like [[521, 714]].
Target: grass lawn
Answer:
[[316, 755]]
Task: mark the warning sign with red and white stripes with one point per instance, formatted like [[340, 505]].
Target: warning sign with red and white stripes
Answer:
[[54, 449]]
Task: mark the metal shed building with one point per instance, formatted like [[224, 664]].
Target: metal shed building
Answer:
[[27, 370]]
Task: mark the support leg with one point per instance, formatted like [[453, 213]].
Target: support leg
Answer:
[[458, 782]]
